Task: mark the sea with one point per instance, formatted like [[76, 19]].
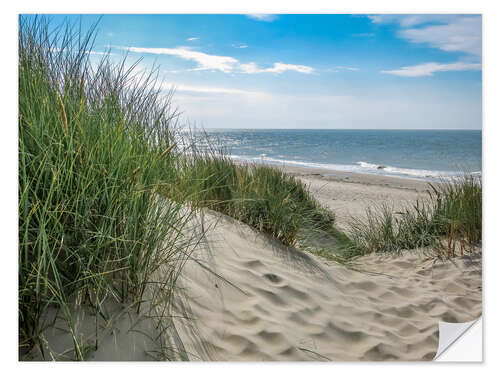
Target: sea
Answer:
[[418, 154]]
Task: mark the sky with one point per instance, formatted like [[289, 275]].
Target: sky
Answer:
[[307, 71]]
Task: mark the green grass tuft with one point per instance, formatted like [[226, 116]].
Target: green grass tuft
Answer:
[[261, 196], [449, 221]]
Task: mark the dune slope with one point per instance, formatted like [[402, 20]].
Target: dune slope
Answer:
[[252, 298]]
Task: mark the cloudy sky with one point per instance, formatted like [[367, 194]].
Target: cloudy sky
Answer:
[[309, 71]]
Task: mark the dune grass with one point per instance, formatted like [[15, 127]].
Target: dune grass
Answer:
[[449, 222], [94, 143], [261, 196]]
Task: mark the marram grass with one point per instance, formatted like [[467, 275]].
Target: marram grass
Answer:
[[261, 196], [92, 155], [449, 222]]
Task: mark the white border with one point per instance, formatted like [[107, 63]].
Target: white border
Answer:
[[8, 148]]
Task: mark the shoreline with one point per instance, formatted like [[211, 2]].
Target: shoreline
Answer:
[[361, 168], [395, 182]]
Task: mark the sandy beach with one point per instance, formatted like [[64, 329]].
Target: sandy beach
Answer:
[[350, 194], [264, 301]]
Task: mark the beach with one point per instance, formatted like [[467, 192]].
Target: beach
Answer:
[[349, 194], [256, 299]]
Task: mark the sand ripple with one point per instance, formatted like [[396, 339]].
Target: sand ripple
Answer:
[[282, 304]]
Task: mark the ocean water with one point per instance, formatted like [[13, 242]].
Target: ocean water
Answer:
[[421, 154]]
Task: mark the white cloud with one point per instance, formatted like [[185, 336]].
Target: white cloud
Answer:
[[461, 35], [98, 53], [452, 33], [339, 68], [205, 61], [347, 68], [263, 17], [252, 68], [240, 46], [280, 68], [428, 69], [225, 64], [209, 89], [90, 52], [192, 39], [409, 20]]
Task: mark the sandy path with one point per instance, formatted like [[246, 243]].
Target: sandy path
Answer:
[[283, 304]]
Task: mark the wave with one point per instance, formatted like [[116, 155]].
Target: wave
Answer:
[[407, 171], [421, 173], [265, 159], [362, 167]]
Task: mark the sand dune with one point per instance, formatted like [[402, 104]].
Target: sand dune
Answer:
[[250, 298], [282, 304]]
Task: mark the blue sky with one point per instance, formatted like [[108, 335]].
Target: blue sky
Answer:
[[308, 71]]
